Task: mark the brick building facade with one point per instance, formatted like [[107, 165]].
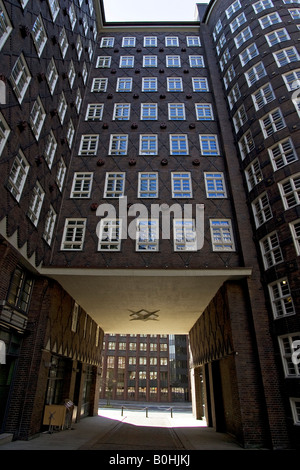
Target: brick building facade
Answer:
[[202, 114]]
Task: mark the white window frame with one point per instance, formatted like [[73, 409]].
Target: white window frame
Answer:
[[174, 84], [39, 35], [295, 407], [234, 95], [200, 84], [63, 42], [37, 117], [20, 77], [72, 16], [295, 13], [215, 185], [71, 74], [107, 42], [78, 100], [62, 107], [147, 235], [149, 111], [286, 56], [73, 234], [221, 235], [269, 20], [94, 112], [240, 118], [171, 41], [124, 84], [282, 153], [4, 132], [79, 46], [176, 111], [82, 185], [246, 144], [88, 144], [18, 175], [261, 208], [184, 235], [295, 231], [52, 75], [272, 122], [5, 23], [150, 41], [179, 144], [196, 61], [118, 144], [181, 183], [204, 112], [126, 61], [234, 7], [49, 225], [193, 41], [148, 144], [173, 61], [290, 191], [50, 148], [150, 61], [70, 133], [149, 84], [128, 41], [35, 204], [121, 112], [248, 54], [253, 174], [61, 173], [263, 96], [54, 8], [209, 145], [290, 368], [148, 185], [243, 37], [109, 236], [262, 5], [278, 36], [99, 85], [255, 73], [271, 250], [103, 62]]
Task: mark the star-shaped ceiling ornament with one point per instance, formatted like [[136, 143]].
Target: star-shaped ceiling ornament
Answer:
[[144, 315]]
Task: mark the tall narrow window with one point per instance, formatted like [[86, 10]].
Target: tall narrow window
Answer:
[[215, 185], [52, 75], [5, 25], [35, 204], [185, 238], [286, 348], [121, 112], [262, 210], [73, 235], [20, 78], [295, 230], [147, 236], [179, 144], [253, 174], [209, 145], [110, 235], [148, 144], [49, 225], [290, 191], [82, 185], [282, 303], [118, 144], [39, 35], [4, 132], [181, 184], [61, 173], [221, 235], [270, 250], [50, 149], [18, 175], [148, 185], [149, 111], [176, 111], [114, 185], [20, 289], [37, 117]]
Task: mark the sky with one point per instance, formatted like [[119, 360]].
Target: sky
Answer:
[[154, 10]]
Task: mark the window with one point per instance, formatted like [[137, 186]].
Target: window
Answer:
[[263, 96], [5, 25], [295, 231], [217, 29], [233, 8], [295, 13], [148, 144], [20, 78], [248, 54], [54, 8], [63, 42], [176, 111], [52, 75], [229, 76], [94, 112], [295, 406], [240, 118], [261, 210], [150, 41], [237, 22], [286, 350], [73, 235], [204, 112], [149, 84], [181, 184], [292, 79], [20, 289], [128, 42], [290, 191], [89, 144], [70, 133], [246, 144], [71, 73], [173, 61], [277, 36], [110, 235], [150, 61], [234, 95], [114, 185], [84, 73], [18, 175], [269, 20], [124, 84], [147, 235], [272, 122], [242, 37], [62, 107], [171, 41], [209, 145], [178, 144], [61, 173], [72, 16], [221, 43], [193, 41], [174, 84], [200, 84], [82, 185], [196, 61], [4, 132], [126, 61], [35, 203], [50, 149], [221, 235], [270, 250], [121, 112], [49, 225], [118, 144], [37, 118], [255, 73], [262, 5], [253, 174], [286, 56], [78, 100], [215, 185], [103, 62], [224, 59], [283, 153], [99, 84], [107, 42], [148, 185], [149, 111], [39, 35], [184, 235]]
